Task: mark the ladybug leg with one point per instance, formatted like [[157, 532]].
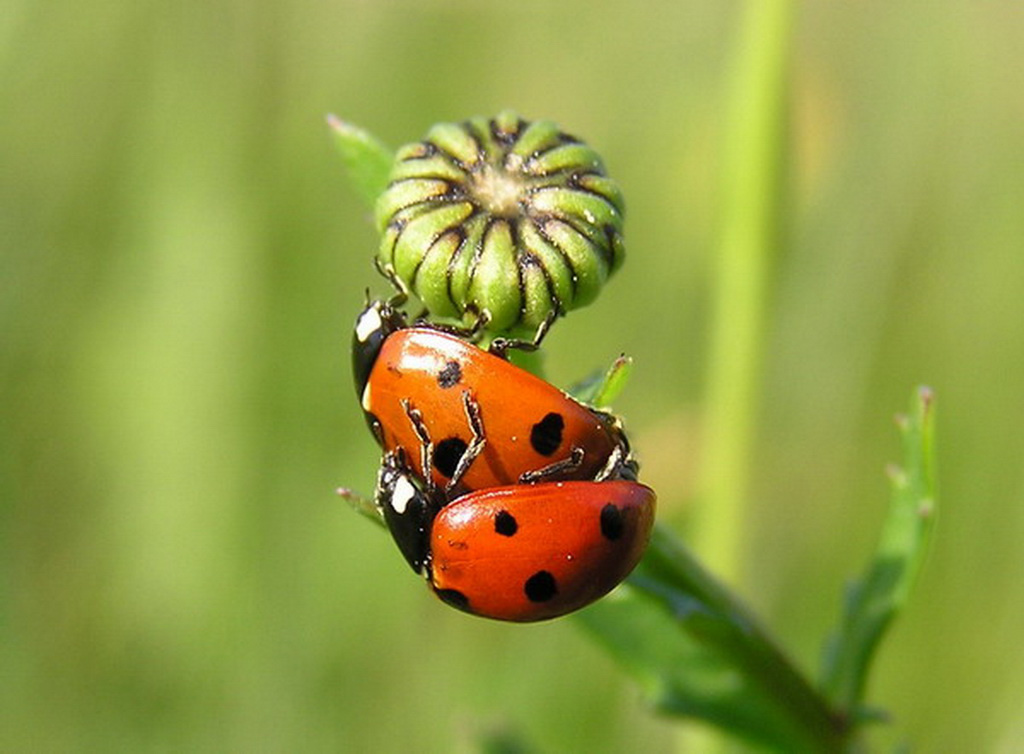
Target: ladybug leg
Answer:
[[426, 444], [482, 320], [500, 346], [476, 443], [471, 333], [619, 466], [401, 294], [555, 469]]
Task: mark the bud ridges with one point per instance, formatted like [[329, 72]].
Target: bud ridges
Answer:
[[500, 218]]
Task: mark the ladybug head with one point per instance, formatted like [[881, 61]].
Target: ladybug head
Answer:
[[373, 326], [408, 508]]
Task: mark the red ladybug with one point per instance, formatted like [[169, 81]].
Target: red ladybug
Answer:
[[471, 417], [522, 552], [531, 552]]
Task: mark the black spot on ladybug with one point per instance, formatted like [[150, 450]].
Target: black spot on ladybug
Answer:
[[453, 597], [450, 376], [540, 587], [505, 524], [447, 455], [546, 435], [611, 522]]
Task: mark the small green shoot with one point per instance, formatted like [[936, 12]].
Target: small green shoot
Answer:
[[367, 161], [873, 601], [601, 389], [362, 505]]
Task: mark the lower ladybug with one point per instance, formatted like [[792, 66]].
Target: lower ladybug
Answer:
[[522, 552]]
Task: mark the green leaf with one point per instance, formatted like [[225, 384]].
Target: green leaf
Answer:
[[367, 161], [698, 653], [503, 741], [602, 388], [873, 601], [679, 675]]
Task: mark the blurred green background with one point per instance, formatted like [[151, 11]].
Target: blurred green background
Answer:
[[181, 263]]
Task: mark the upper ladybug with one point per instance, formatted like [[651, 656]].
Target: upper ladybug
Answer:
[[470, 417]]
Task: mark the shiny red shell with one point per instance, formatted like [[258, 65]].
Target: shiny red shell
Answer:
[[533, 552], [528, 424]]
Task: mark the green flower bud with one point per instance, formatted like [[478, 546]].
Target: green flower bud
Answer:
[[511, 220]]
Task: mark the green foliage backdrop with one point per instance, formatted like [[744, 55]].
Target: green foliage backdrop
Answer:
[[180, 262]]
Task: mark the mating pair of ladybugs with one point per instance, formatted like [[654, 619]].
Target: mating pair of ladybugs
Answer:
[[515, 501]]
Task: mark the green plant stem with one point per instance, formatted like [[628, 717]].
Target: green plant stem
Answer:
[[749, 221], [672, 575]]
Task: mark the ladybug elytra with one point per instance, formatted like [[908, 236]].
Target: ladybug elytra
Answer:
[[476, 420], [519, 552]]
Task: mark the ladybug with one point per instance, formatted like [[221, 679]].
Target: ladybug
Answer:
[[519, 553], [475, 420]]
